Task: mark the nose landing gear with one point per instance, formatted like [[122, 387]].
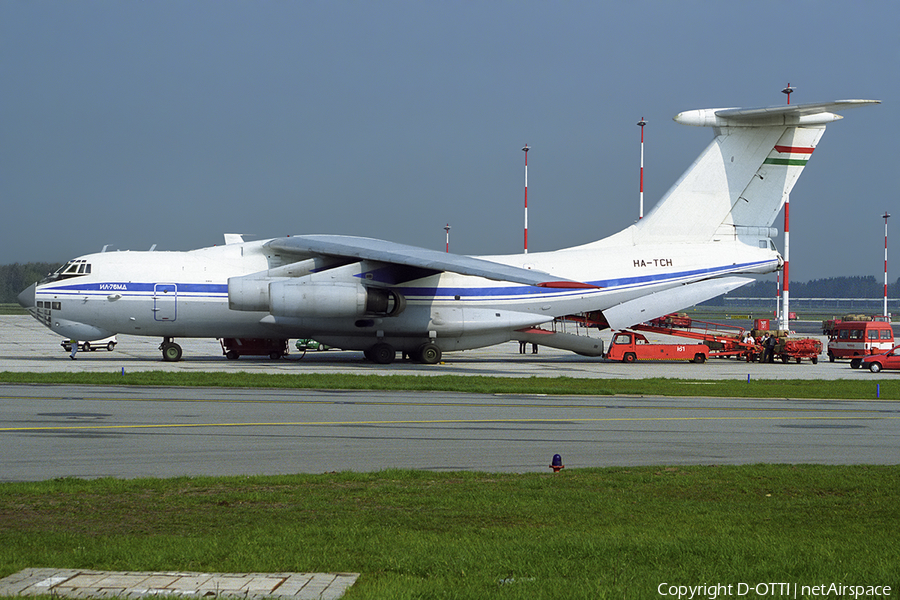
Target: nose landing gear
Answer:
[[171, 352]]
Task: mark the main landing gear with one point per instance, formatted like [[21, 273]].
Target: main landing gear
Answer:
[[384, 354], [171, 352]]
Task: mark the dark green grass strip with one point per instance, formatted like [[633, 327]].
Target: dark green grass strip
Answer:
[[886, 389]]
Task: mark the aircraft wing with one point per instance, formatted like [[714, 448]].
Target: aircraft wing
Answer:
[[360, 248]]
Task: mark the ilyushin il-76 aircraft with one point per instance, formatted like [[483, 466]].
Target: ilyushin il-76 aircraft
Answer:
[[703, 238]]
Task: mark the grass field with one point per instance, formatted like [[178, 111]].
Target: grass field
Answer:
[[598, 533], [592, 533], [763, 388]]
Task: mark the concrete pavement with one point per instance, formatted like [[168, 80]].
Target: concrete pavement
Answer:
[[80, 583], [28, 346]]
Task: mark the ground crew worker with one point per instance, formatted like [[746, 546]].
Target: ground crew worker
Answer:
[[770, 348]]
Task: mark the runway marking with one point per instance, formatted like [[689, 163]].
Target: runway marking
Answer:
[[607, 406], [432, 422]]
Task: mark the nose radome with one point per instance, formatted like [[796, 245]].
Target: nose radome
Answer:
[[26, 297]]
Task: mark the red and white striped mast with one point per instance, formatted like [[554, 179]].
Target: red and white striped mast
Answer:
[[641, 123], [788, 90], [786, 293], [885, 216], [526, 149], [447, 229]]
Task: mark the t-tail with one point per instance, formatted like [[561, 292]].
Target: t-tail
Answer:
[[737, 186], [722, 208]]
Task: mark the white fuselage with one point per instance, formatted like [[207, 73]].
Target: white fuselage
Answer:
[[185, 294]]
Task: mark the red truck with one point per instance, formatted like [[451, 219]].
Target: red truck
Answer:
[[858, 336], [629, 346]]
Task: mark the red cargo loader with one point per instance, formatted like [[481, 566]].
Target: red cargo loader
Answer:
[[629, 346]]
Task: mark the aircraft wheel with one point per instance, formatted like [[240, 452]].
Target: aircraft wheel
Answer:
[[429, 354], [232, 355], [875, 367], [383, 354], [171, 352], [629, 357]]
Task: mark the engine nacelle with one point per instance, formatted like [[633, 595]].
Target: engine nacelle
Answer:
[[248, 293], [304, 298], [298, 298]]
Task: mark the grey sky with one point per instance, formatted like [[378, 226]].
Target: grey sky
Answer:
[[171, 123]]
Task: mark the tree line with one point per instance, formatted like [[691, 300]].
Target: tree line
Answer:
[[865, 286], [16, 277]]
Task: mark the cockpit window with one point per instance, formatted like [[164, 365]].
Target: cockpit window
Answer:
[[73, 268]]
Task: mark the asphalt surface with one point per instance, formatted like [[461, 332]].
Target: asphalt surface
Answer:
[[26, 345], [88, 431], [121, 431]]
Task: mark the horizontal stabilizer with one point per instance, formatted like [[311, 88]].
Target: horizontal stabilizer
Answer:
[[818, 113], [668, 301]]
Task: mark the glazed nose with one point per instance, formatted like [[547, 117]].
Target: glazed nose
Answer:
[[26, 298]]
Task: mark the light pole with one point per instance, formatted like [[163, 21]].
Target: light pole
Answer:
[[526, 149], [885, 216], [447, 229], [641, 123], [785, 319], [786, 289], [788, 90]]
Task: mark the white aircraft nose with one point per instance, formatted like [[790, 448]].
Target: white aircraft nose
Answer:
[[26, 297]]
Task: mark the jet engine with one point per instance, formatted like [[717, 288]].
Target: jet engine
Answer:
[[303, 298]]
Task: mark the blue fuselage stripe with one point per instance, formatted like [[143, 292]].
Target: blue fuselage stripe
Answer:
[[219, 291]]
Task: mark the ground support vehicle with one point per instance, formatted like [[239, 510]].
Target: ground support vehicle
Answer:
[[798, 349], [858, 336], [884, 360], [630, 346], [726, 341], [108, 343], [234, 348]]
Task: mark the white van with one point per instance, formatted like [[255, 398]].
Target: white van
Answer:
[[108, 343]]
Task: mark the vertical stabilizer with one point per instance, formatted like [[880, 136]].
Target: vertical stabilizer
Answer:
[[740, 182]]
